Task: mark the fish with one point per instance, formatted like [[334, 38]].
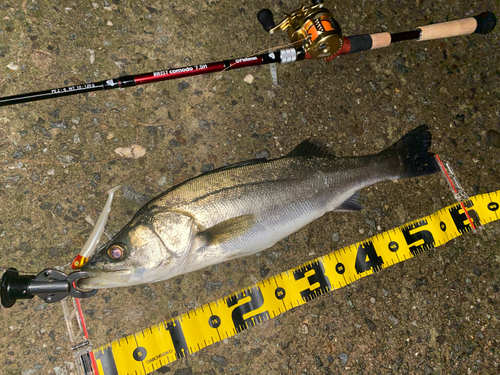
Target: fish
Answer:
[[244, 208]]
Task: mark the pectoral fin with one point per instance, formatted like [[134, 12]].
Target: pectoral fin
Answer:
[[227, 230]]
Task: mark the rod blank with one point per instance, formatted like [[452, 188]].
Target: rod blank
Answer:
[[278, 56]]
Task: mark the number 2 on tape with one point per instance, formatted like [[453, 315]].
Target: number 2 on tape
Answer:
[[255, 303]]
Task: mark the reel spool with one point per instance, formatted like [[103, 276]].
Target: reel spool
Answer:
[[314, 25]]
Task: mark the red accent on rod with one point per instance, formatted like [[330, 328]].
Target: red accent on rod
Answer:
[[194, 70], [344, 50], [163, 75]]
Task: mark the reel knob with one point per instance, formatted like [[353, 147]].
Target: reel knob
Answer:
[[266, 19]]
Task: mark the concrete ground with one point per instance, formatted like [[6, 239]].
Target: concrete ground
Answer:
[[435, 313]]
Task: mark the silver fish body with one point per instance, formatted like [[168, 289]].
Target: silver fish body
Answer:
[[245, 208]]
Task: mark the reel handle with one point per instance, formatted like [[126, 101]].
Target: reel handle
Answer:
[[266, 19]]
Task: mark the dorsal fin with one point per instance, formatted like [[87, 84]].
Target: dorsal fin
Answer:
[[237, 165], [311, 147]]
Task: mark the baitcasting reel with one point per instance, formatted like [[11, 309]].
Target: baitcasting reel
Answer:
[[314, 26]]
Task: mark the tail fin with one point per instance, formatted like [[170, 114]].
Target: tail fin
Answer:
[[409, 157]]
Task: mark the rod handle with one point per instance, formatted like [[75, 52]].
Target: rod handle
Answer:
[[480, 24], [266, 19]]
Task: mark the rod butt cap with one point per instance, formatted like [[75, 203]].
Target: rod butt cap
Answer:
[[486, 22]]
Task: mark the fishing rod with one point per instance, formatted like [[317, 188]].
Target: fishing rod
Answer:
[[313, 32]]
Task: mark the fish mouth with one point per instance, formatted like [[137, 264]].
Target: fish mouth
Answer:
[[106, 279]]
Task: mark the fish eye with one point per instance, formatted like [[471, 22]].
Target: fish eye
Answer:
[[116, 252]]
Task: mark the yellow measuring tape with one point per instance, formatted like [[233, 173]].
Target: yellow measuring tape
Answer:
[[170, 340]]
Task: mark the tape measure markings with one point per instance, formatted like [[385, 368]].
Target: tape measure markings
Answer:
[[139, 352], [225, 317]]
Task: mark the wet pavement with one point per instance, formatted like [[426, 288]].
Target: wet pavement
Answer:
[[435, 313]]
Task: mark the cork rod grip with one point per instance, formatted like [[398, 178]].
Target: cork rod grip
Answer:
[[481, 24], [446, 29]]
